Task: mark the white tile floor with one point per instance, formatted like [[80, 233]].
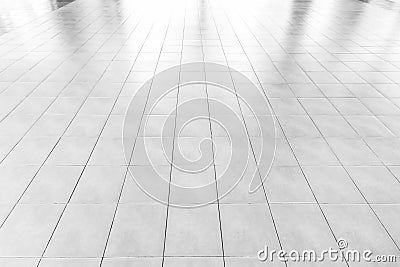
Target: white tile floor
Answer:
[[69, 70]]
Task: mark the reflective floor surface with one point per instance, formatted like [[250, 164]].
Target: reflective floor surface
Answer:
[[70, 69]]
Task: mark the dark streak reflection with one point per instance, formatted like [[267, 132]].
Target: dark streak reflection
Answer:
[[56, 4], [297, 24]]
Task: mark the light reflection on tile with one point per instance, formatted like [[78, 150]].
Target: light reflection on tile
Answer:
[[70, 69]]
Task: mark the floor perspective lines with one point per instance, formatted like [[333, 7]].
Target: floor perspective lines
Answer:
[[199, 133]]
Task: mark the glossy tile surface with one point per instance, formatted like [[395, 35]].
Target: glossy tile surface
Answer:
[[69, 70]]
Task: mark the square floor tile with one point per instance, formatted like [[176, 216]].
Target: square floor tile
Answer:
[[335, 90], [389, 215], [381, 106], [392, 123], [14, 180], [138, 230], [65, 262], [322, 77], [369, 126], [31, 151], [193, 232], [298, 126], [109, 151], [333, 126], [312, 233], [195, 262], [363, 90], [387, 149], [52, 184], [16, 262], [332, 185], [352, 222], [353, 151], [350, 106], [306, 90], [251, 262], [318, 106], [28, 229], [286, 106], [128, 262], [287, 184], [72, 151], [233, 189], [86, 126], [99, 184], [246, 229], [377, 184], [91, 223], [313, 152]]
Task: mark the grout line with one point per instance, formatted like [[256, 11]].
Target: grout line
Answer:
[[91, 153], [252, 149], [340, 114], [55, 98], [173, 139], [320, 208], [212, 145], [42, 164], [133, 148]]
